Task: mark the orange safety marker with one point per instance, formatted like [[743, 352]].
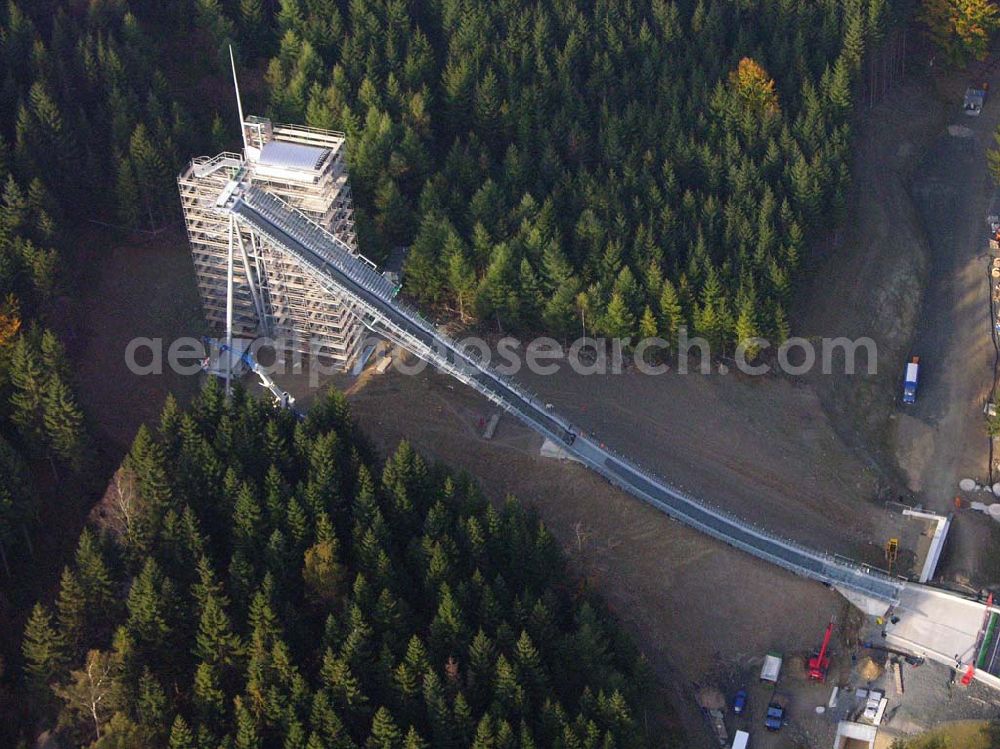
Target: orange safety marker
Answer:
[[967, 677]]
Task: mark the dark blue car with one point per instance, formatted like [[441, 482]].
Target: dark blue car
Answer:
[[775, 717], [740, 702]]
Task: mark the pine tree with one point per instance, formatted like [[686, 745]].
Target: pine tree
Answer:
[[781, 327], [393, 214], [44, 652], [13, 208], [251, 23], [647, 325], [414, 741], [151, 707], [326, 724], [447, 629], [506, 688], [528, 659], [297, 522], [416, 657], [344, 687], [385, 734], [525, 739], [29, 381], [531, 298], [559, 315], [128, 193], [496, 295], [671, 313], [461, 275], [152, 176], [619, 322], [406, 681], [212, 20], [181, 736], [840, 86], [207, 585], [747, 328], [208, 699], [95, 579], [147, 609], [53, 355], [484, 738], [73, 612], [63, 422], [147, 464], [216, 643], [247, 736], [247, 517]]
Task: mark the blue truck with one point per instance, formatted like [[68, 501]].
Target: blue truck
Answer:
[[910, 382]]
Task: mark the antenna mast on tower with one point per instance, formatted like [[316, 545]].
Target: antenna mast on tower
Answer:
[[239, 104]]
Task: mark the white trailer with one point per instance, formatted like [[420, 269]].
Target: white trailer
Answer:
[[771, 669]]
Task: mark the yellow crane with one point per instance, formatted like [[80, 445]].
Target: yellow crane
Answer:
[[891, 550]]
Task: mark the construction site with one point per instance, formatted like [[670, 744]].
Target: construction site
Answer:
[[275, 256]]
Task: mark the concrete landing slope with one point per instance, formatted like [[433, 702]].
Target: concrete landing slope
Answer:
[[938, 625]]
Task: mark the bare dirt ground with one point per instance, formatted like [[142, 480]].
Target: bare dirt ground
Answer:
[[866, 279], [909, 271], [138, 287], [693, 604], [942, 437]]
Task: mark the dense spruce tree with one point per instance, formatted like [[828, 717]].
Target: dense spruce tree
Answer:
[[407, 612], [63, 422], [45, 655], [563, 154]]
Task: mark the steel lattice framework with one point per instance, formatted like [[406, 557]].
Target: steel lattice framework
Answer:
[[272, 295]]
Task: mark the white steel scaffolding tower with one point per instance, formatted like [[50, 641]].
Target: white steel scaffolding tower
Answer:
[[270, 294]]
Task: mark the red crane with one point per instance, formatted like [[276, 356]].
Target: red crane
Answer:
[[819, 664]]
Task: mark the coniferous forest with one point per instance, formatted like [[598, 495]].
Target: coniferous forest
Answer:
[[637, 165], [250, 581], [258, 581], [642, 165]]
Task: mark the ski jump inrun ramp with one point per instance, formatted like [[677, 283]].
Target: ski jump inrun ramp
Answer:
[[372, 297]]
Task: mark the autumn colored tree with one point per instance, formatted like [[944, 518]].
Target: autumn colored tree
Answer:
[[754, 89], [961, 29]]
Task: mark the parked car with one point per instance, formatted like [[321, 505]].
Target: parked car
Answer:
[[740, 702], [775, 717]]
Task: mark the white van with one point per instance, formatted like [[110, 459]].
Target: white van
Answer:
[[741, 740]]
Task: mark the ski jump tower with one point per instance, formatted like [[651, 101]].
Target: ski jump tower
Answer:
[[248, 286]]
